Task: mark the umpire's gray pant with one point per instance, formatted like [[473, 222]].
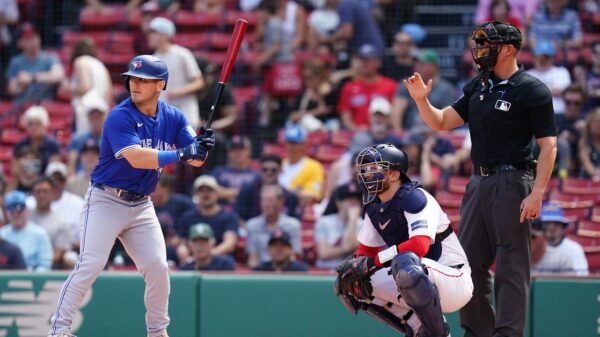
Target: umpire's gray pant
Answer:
[[490, 229]]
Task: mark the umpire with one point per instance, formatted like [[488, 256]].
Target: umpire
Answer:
[[505, 108]]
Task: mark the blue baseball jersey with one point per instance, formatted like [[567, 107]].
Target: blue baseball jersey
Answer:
[[125, 128]]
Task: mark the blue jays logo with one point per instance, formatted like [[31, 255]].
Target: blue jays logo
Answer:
[[136, 64]]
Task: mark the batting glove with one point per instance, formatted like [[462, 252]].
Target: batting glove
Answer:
[[206, 138], [194, 151]]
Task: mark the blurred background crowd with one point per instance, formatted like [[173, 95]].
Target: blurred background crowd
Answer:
[[316, 81]]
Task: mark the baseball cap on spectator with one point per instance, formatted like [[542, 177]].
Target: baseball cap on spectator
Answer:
[[552, 212], [279, 235], [369, 51], [381, 105], [201, 230], [27, 30], [150, 7], [56, 168], [416, 31], [544, 48], [163, 26], [239, 142], [92, 101], [90, 145], [295, 134], [206, 181], [428, 56], [14, 201], [36, 113]]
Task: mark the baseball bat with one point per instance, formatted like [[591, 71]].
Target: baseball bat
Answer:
[[232, 50]]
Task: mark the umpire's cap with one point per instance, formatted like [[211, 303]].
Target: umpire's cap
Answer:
[[149, 67]]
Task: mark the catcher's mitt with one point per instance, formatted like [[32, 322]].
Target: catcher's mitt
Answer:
[[354, 277]]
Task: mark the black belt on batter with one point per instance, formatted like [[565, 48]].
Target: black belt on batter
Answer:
[[488, 170], [120, 193]]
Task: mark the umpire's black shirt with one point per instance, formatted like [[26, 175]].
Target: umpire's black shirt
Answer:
[[503, 115]]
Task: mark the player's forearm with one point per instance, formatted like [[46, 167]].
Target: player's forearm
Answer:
[[149, 159], [55, 75], [545, 164]]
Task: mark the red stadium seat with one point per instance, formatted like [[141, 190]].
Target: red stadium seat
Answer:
[[341, 138], [575, 214], [244, 94], [106, 19], [580, 186], [573, 200], [12, 136], [328, 153], [453, 214], [458, 184], [6, 153], [120, 43], [218, 40], [593, 262], [589, 244], [231, 17], [192, 41], [595, 214], [448, 199], [275, 149], [188, 21], [589, 229]]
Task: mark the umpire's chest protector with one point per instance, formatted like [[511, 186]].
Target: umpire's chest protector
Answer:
[[389, 220]]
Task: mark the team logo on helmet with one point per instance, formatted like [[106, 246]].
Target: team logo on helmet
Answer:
[[136, 64]]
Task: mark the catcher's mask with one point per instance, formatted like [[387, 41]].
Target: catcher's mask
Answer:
[[373, 165], [489, 38]]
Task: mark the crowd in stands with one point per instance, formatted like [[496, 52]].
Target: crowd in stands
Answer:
[[316, 81]]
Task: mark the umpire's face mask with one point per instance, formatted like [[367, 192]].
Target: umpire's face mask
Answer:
[[485, 53]]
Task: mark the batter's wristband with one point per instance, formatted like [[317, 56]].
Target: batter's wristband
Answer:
[[167, 157]]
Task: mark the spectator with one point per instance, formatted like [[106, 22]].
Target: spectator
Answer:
[[65, 202], [589, 146], [558, 24], [563, 255], [570, 125], [380, 130], [590, 78], [522, 10], [131, 5], [202, 241], [88, 157], [281, 255], [400, 64], [11, 257], [9, 17], [33, 74], [89, 77], [3, 187], [248, 201], [223, 223], [96, 110], [168, 205], [322, 24], [226, 112], [300, 174], [44, 147], [185, 78], [538, 242], [500, 10], [274, 46], [29, 237], [357, 28], [259, 229], [149, 10], [418, 148], [26, 168], [239, 169], [210, 6], [405, 114], [557, 78], [52, 221], [356, 95], [315, 105], [336, 233]]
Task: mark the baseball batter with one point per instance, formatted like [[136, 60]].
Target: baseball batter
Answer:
[[141, 135], [409, 267]]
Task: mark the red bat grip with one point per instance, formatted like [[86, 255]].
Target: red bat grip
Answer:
[[233, 49]]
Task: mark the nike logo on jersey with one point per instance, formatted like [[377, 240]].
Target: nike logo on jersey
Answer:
[[140, 125], [385, 224]]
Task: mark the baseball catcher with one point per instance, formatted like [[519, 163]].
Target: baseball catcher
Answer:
[[409, 267]]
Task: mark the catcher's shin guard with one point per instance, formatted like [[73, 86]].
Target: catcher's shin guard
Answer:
[[390, 319], [420, 294]]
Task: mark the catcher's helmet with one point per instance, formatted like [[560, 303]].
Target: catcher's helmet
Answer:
[[489, 38], [149, 67], [373, 163]]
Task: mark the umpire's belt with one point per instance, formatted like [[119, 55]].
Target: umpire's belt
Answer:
[[120, 193], [488, 170]]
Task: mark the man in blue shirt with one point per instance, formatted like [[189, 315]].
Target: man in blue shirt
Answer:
[[34, 74], [32, 239], [202, 242], [141, 136]]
